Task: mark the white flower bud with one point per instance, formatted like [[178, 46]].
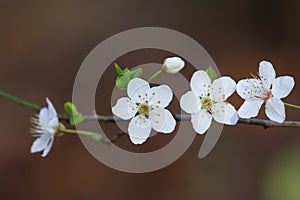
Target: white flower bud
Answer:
[[173, 65]]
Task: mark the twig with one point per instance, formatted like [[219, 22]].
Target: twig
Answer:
[[115, 138], [178, 117], [185, 117], [20, 101]]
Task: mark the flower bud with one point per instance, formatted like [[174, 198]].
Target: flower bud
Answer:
[[173, 65]]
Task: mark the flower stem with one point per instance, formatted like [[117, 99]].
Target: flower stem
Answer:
[[92, 135], [20, 101], [292, 105], [155, 75]]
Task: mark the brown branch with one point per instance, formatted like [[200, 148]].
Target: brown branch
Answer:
[[185, 117]]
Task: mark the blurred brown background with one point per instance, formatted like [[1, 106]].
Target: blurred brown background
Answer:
[[42, 44]]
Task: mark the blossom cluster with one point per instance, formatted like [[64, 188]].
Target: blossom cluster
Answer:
[[146, 106], [207, 100]]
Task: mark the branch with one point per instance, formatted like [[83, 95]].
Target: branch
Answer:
[[185, 117]]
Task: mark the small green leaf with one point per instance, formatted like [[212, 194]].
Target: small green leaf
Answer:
[[76, 119], [70, 108], [211, 73], [124, 76], [118, 69], [122, 81], [125, 71], [75, 116], [136, 73]]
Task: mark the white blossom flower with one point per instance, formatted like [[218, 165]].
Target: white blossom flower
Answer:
[[45, 126], [146, 107], [173, 65], [265, 88], [207, 101]]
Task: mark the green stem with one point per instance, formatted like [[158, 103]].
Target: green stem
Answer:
[[292, 105], [92, 135], [155, 75], [20, 101]]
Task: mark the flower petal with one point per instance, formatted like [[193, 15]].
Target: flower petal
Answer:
[[53, 123], [125, 109], [250, 88], [40, 143], [161, 95], [139, 129], [137, 88], [225, 113], [250, 108], [48, 147], [222, 88], [200, 83], [282, 86], [162, 120], [266, 73], [275, 110], [190, 103], [51, 110], [201, 121], [44, 117]]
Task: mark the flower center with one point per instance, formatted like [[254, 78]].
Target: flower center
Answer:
[[144, 109], [268, 95], [206, 103]]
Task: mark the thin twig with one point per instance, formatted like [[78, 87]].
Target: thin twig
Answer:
[[115, 138], [185, 117]]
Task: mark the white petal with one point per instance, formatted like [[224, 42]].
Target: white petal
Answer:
[[222, 88], [40, 143], [250, 108], [250, 89], [200, 83], [267, 73], [161, 95], [190, 103], [48, 147], [139, 129], [282, 86], [201, 121], [44, 116], [125, 109], [51, 127], [137, 88], [275, 110], [51, 110], [53, 123], [162, 120], [225, 113]]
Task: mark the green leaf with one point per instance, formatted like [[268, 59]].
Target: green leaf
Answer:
[[75, 116], [124, 76], [136, 73], [211, 73], [70, 108], [118, 69], [122, 81], [125, 71], [76, 119]]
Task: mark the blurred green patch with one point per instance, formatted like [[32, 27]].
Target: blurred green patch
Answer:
[[282, 178]]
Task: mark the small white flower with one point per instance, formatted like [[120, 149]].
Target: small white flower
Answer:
[[265, 88], [173, 65], [44, 127], [207, 101], [145, 106]]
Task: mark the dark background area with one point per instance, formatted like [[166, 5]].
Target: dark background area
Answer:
[[42, 45]]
